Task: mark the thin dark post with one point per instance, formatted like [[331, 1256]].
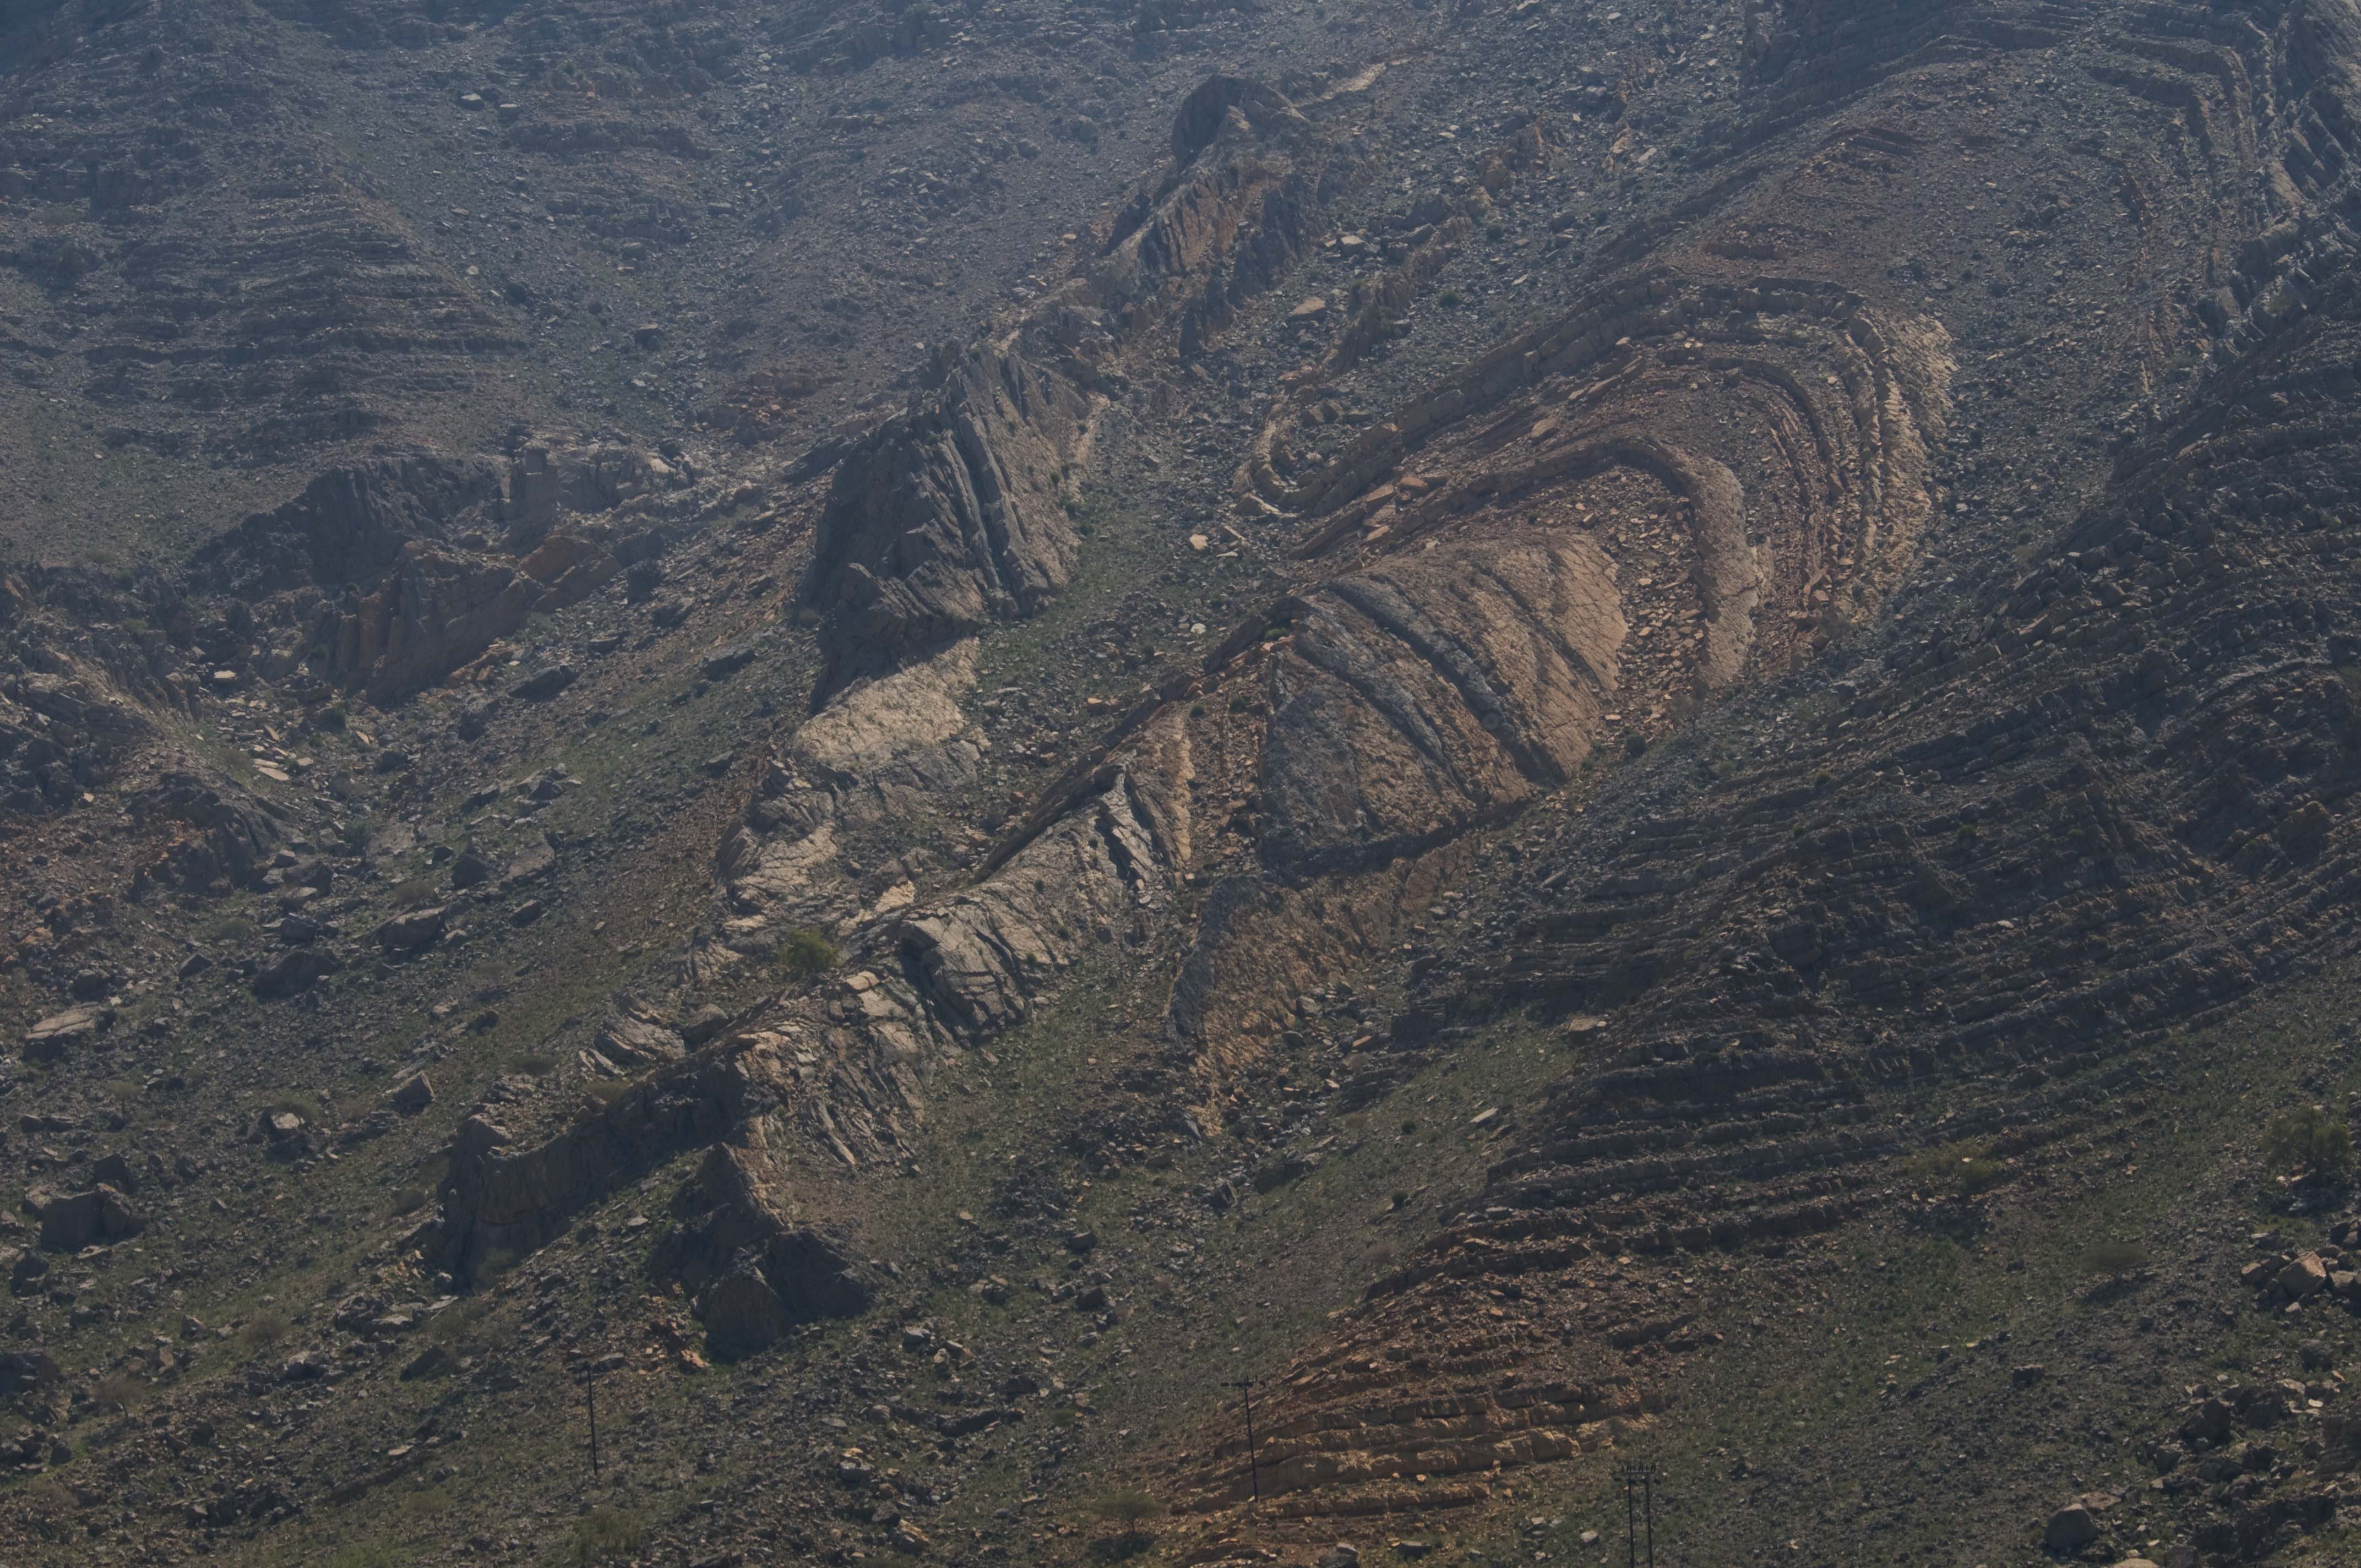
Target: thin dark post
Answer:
[[1631, 1522], [1254, 1462], [1648, 1509], [591, 1398]]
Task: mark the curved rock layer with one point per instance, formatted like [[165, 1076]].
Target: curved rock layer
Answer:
[[2110, 806], [947, 516], [2113, 802]]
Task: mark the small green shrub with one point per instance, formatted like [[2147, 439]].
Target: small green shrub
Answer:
[[806, 955], [262, 1332], [360, 1557], [536, 1064], [1450, 299], [409, 1199], [416, 893], [231, 928], [1963, 1170], [2310, 1143], [603, 1534], [458, 1326], [1129, 1507], [119, 1392], [2115, 1258]]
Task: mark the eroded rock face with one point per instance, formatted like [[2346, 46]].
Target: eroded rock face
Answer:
[[880, 744], [1432, 692], [753, 1270], [436, 612], [352, 525], [70, 1220], [982, 957], [947, 516], [1244, 198], [228, 835]]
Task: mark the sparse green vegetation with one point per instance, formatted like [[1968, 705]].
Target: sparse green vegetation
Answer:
[[2114, 1258], [2310, 1145], [1128, 1511], [262, 1333], [297, 1102], [118, 1392], [604, 1534], [360, 1557], [806, 955], [229, 929], [461, 1324], [1129, 1507], [416, 893], [1957, 1170]]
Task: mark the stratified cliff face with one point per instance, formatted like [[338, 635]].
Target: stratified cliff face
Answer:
[[931, 735], [951, 516]]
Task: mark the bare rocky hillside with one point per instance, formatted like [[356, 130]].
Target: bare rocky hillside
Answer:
[[913, 743]]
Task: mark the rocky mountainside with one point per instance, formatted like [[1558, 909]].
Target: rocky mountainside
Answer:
[[1196, 783]]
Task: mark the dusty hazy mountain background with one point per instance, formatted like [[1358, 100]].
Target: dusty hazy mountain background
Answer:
[[906, 733]]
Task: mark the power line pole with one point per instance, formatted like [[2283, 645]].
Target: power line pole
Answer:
[[1639, 1479], [1254, 1462], [590, 1401]]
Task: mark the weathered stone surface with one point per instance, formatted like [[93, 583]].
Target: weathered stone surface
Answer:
[[543, 685], [879, 727], [2302, 1276], [408, 931], [984, 955], [635, 1040], [2071, 1529], [73, 1220], [1432, 692], [293, 971], [947, 516], [54, 1037], [413, 1095]]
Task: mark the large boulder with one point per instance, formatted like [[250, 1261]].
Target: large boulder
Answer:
[[2071, 1529], [61, 1032], [634, 1039], [297, 970], [409, 932], [743, 1314], [543, 685], [71, 1221], [25, 1371]]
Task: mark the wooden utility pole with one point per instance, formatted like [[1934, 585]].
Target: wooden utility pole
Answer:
[[1254, 1462]]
